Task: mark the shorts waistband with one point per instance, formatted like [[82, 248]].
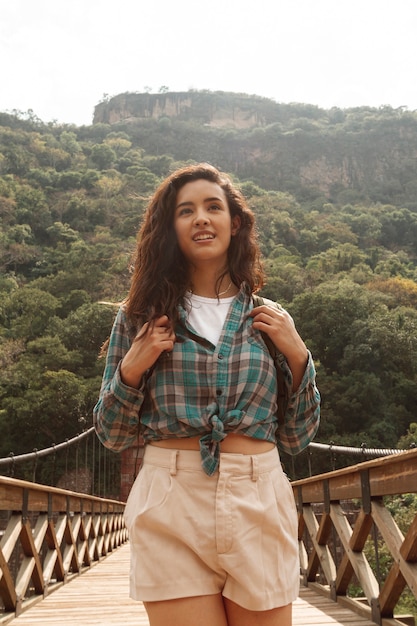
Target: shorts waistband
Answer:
[[230, 462]]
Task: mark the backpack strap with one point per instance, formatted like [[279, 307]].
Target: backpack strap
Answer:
[[278, 359]]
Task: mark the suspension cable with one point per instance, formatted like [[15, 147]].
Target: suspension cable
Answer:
[[362, 451], [20, 458], [329, 447]]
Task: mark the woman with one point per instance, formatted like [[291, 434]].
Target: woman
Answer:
[[211, 516]]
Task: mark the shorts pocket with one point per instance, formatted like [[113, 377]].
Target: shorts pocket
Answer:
[[149, 492], [285, 502]]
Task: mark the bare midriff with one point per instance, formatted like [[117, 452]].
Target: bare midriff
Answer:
[[237, 444]]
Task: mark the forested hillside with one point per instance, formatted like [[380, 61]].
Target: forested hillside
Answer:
[[352, 155], [335, 194]]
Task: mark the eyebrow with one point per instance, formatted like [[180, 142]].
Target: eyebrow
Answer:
[[188, 202]]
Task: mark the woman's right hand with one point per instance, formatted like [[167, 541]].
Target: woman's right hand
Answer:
[[152, 339]]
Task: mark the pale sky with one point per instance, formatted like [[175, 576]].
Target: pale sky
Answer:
[[58, 57]]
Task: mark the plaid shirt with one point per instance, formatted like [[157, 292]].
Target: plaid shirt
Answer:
[[205, 390]]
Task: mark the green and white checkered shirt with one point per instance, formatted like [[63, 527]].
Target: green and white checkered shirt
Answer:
[[204, 390]]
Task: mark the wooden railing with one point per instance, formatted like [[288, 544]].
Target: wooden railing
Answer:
[[49, 535], [341, 513]]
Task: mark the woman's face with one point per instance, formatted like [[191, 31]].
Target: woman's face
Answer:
[[203, 224]]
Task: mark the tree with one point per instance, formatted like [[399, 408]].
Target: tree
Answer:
[[410, 439], [69, 142], [327, 314], [27, 312], [83, 332], [334, 194], [103, 156]]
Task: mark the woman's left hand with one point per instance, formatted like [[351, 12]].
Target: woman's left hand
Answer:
[[279, 326]]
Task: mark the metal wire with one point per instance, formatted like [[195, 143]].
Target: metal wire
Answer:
[[32, 456], [12, 459], [362, 451]]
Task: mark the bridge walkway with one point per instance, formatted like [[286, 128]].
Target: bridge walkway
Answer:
[[100, 596]]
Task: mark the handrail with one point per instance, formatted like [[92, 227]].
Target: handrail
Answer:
[[28, 456], [80, 463], [332, 548], [328, 447], [362, 451], [48, 535]]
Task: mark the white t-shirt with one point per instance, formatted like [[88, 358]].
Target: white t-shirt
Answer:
[[207, 315]]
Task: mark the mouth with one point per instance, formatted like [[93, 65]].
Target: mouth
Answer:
[[203, 237]]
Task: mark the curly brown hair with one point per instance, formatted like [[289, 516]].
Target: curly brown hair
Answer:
[[161, 273]]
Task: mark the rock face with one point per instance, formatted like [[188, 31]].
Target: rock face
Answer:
[[216, 109], [342, 154]]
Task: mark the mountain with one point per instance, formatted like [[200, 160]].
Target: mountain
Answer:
[[345, 155]]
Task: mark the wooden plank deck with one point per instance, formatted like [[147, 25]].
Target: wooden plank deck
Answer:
[[101, 597]]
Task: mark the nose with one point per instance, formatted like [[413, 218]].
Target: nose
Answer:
[[201, 217]]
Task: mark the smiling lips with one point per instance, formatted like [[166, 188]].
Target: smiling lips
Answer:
[[203, 237]]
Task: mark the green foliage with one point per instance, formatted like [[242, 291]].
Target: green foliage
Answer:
[[334, 195], [403, 509], [26, 313], [409, 440], [103, 155]]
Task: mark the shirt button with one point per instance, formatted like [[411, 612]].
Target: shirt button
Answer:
[[220, 356], [219, 392]]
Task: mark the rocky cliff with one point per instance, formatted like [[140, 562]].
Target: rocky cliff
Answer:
[[215, 109], [348, 155]]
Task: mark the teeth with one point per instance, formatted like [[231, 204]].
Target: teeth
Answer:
[[202, 237]]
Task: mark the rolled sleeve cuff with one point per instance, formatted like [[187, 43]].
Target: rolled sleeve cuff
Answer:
[[302, 418], [308, 378], [130, 397], [117, 414]]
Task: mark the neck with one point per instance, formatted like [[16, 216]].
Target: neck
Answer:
[[205, 286]]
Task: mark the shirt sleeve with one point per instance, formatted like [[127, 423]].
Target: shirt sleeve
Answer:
[[116, 414], [302, 417]]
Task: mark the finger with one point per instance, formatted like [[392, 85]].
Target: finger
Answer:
[[269, 310], [142, 331], [265, 317], [165, 332], [257, 309], [163, 320]]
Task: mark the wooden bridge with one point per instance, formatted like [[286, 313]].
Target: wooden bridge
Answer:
[[51, 536]]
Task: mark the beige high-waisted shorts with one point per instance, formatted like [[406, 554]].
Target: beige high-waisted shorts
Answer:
[[233, 533]]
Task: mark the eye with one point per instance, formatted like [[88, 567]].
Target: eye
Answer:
[[183, 211], [215, 207]]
